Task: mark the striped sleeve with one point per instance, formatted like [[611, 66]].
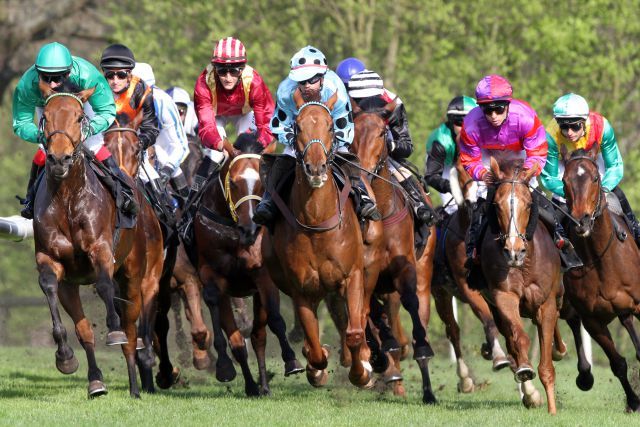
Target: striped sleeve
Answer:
[[471, 156], [535, 145]]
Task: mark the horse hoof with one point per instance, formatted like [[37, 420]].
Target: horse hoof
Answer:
[[500, 363], [532, 401], [317, 377], [96, 388], [425, 352], [486, 351], [557, 356], [465, 385], [392, 376], [116, 337], [225, 371], [584, 381], [68, 366], [292, 367], [165, 382], [428, 398], [390, 344], [201, 363], [524, 373], [295, 335], [139, 344]]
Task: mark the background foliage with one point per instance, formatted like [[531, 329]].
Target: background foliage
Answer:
[[426, 50]]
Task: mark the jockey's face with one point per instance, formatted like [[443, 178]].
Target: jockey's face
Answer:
[[228, 75], [53, 80], [310, 89], [495, 112], [573, 131], [118, 79]]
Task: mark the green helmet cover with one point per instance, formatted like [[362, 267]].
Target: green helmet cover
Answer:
[[571, 105], [53, 58]]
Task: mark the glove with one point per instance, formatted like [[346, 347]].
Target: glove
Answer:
[[165, 175]]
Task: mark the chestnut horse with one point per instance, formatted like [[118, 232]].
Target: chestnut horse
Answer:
[[607, 286], [523, 277], [316, 245], [75, 242], [394, 254], [229, 263]]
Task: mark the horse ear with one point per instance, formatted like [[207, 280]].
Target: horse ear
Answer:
[[355, 107], [86, 94], [495, 169], [332, 100], [45, 89], [297, 98], [593, 151], [271, 148], [531, 172], [564, 153]]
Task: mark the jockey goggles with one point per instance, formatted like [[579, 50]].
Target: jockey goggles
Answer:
[[313, 80], [53, 78], [120, 74], [497, 107], [573, 124], [223, 70]]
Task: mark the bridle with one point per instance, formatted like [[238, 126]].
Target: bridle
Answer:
[[226, 186], [84, 126], [599, 205], [502, 237], [121, 130], [329, 153]]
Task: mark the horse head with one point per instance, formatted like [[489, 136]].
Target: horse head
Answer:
[[583, 188], [369, 142], [242, 186], [121, 139], [63, 129], [513, 202], [314, 137]]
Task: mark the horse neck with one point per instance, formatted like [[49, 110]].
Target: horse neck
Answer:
[[384, 191], [464, 216], [313, 205], [600, 236], [72, 185], [214, 198]]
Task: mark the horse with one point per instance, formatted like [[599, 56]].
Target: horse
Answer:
[[75, 242], [606, 287], [451, 281], [394, 254], [122, 140], [523, 277], [316, 246], [229, 264]]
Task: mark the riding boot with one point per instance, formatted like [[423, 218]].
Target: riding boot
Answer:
[[423, 211], [128, 206], [206, 168], [473, 235], [181, 189], [266, 211], [27, 211], [628, 212], [365, 206], [568, 255]]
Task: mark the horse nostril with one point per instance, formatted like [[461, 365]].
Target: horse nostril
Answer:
[[307, 168], [323, 169]]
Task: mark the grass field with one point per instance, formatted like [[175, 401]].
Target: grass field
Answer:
[[32, 392]]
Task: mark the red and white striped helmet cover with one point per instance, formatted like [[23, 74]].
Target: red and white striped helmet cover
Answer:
[[229, 51]]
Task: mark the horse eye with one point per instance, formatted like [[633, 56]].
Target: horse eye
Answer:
[[595, 178]]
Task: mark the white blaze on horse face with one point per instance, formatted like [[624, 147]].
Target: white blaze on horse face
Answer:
[[251, 177], [513, 229], [581, 171]]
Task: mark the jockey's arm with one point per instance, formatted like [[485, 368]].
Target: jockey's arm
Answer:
[[613, 165], [172, 134], [471, 156], [435, 167], [399, 126], [550, 174], [148, 131], [23, 113], [207, 128], [343, 122], [263, 108], [534, 143]]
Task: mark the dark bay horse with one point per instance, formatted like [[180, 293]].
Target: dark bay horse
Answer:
[[607, 286], [523, 277], [316, 246], [230, 264], [74, 223], [394, 254]]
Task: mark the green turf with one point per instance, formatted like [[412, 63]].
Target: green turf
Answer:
[[32, 392]]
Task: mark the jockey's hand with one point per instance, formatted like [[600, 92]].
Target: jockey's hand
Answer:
[[165, 175], [489, 178], [226, 146]]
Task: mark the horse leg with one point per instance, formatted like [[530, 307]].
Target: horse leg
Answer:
[[584, 380], [167, 375], [241, 314], [259, 343], [145, 357], [547, 323], [70, 300], [50, 273], [200, 334], [316, 355], [357, 312], [101, 258], [510, 325], [559, 348], [392, 308], [444, 307], [338, 312], [270, 302], [627, 322], [225, 371], [600, 333], [131, 290], [181, 337]]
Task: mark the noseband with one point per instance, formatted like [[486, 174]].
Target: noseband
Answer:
[[226, 188], [599, 206], [329, 154]]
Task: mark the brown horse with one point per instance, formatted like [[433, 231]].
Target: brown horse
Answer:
[[229, 263], [607, 286], [394, 254], [523, 277], [74, 237], [451, 281], [316, 246]]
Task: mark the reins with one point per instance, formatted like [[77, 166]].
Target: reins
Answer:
[[226, 187]]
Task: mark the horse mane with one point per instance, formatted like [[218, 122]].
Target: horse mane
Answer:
[[248, 143], [68, 86], [510, 168]]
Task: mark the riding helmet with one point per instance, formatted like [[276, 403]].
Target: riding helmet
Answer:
[[53, 58], [117, 56]]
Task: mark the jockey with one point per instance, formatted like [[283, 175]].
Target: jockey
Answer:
[[54, 66], [442, 149], [171, 144], [575, 127], [504, 128], [186, 110], [311, 76], [347, 68], [228, 91], [367, 90]]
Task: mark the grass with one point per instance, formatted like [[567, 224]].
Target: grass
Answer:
[[32, 392]]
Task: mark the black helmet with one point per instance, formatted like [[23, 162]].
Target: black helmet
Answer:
[[117, 56]]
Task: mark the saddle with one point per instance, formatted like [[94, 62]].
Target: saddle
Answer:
[[113, 184]]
